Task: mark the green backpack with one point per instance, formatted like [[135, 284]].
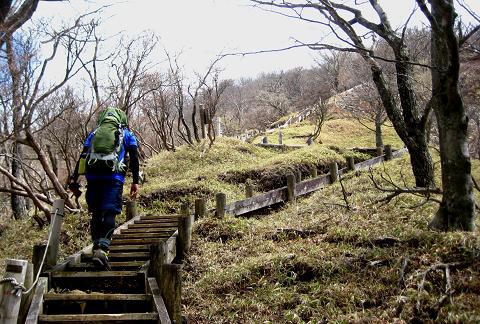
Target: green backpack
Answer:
[[106, 145]]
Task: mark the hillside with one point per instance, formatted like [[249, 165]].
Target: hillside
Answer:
[[311, 261]]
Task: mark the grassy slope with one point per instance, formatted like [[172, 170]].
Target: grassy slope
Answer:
[[242, 270]]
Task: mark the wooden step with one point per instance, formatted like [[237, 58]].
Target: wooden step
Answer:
[[122, 256], [95, 303], [156, 214], [128, 255], [115, 265], [138, 247], [123, 241], [153, 225], [156, 221], [147, 230], [142, 235], [172, 216], [99, 318], [99, 281], [96, 296], [101, 274]]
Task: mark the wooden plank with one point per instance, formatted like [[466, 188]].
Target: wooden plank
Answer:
[[36, 307], [170, 216], [98, 317], [157, 223], [158, 301], [368, 163], [137, 247], [113, 264], [128, 254], [97, 296], [97, 274], [311, 185], [257, 202], [137, 241], [149, 225], [148, 230], [142, 235], [55, 229], [158, 220]]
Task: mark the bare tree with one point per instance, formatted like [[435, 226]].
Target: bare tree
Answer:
[[342, 20], [130, 67], [457, 210], [160, 111], [27, 94], [273, 96], [211, 97], [363, 103], [320, 113]]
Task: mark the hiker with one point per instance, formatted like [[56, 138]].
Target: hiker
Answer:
[[102, 163]]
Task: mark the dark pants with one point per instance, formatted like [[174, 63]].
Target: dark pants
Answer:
[[104, 199]]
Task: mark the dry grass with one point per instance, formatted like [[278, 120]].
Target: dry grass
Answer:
[[344, 268], [345, 133]]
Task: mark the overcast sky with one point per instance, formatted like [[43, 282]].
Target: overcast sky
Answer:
[[202, 29]]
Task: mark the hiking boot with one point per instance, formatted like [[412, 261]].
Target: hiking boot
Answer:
[[100, 259]]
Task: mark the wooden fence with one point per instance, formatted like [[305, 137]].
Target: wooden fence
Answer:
[[298, 188]]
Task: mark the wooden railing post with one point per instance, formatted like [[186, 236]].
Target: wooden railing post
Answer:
[[350, 163], [172, 290], [131, 210], [313, 171], [280, 137], [184, 238], [248, 189], [221, 202], [298, 176], [291, 187], [333, 172], [55, 229], [265, 140], [388, 152], [200, 208], [10, 299], [37, 255], [379, 151], [168, 279]]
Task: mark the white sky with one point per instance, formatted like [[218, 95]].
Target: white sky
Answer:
[[202, 29]]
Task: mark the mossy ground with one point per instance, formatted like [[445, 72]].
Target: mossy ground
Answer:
[[344, 266]]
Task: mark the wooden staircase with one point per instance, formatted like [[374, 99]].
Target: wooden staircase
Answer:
[[78, 292]]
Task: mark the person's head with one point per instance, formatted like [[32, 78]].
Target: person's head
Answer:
[[114, 114]]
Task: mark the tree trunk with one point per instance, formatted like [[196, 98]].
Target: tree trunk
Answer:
[[408, 129], [18, 204], [421, 161], [378, 130], [457, 210]]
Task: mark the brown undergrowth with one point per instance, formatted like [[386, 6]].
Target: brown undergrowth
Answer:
[[316, 261]]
